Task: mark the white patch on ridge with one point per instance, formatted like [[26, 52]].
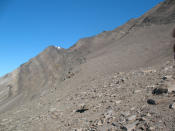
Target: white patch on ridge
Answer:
[[58, 47]]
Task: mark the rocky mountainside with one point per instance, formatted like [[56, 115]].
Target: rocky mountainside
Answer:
[[105, 82]]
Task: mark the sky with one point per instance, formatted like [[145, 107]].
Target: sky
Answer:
[[27, 27]]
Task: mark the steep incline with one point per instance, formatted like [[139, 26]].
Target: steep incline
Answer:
[[161, 15], [141, 42], [138, 43], [39, 74]]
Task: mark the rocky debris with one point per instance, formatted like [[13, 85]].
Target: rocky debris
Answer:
[[137, 91], [111, 95], [109, 113], [123, 128], [164, 78], [122, 118], [132, 118], [70, 75], [158, 91], [109, 105], [118, 102], [151, 102], [132, 126], [172, 106], [54, 114]]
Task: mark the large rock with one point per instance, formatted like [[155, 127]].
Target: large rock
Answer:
[[158, 91]]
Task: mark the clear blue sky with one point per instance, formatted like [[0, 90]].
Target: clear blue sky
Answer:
[[29, 26]]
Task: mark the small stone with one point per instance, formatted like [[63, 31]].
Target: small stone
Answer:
[[151, 102], [123, 128], [131, 127], [172, 106], [158, 91], [133, 108], [149, 115], [52, 109], [54, 115], [137, 91], [152, 128], [122, 119], [109, 120], [142, 119], [3, 120], [125, 113], [118, 102], [100, 123], [164, 78], [79, 129], [109, 113], [113, 124], [113, 95], [132, 118]]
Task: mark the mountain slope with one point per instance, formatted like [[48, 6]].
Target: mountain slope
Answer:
[[140, 43]]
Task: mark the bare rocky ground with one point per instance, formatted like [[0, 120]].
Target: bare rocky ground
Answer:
[[117, 102], [120, 80]]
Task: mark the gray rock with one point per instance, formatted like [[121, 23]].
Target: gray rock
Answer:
[[158, 91], [151, 102], [132, 126], [132, 118], [122, 119], [172, 106], [123, 128], [100, 122], [118, 102], [109, 113]]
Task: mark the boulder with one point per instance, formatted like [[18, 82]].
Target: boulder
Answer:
[[158, 91], [151, 102], [172, 106]]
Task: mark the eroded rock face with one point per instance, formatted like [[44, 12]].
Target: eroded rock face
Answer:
[[163, 14], [40, 73]]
